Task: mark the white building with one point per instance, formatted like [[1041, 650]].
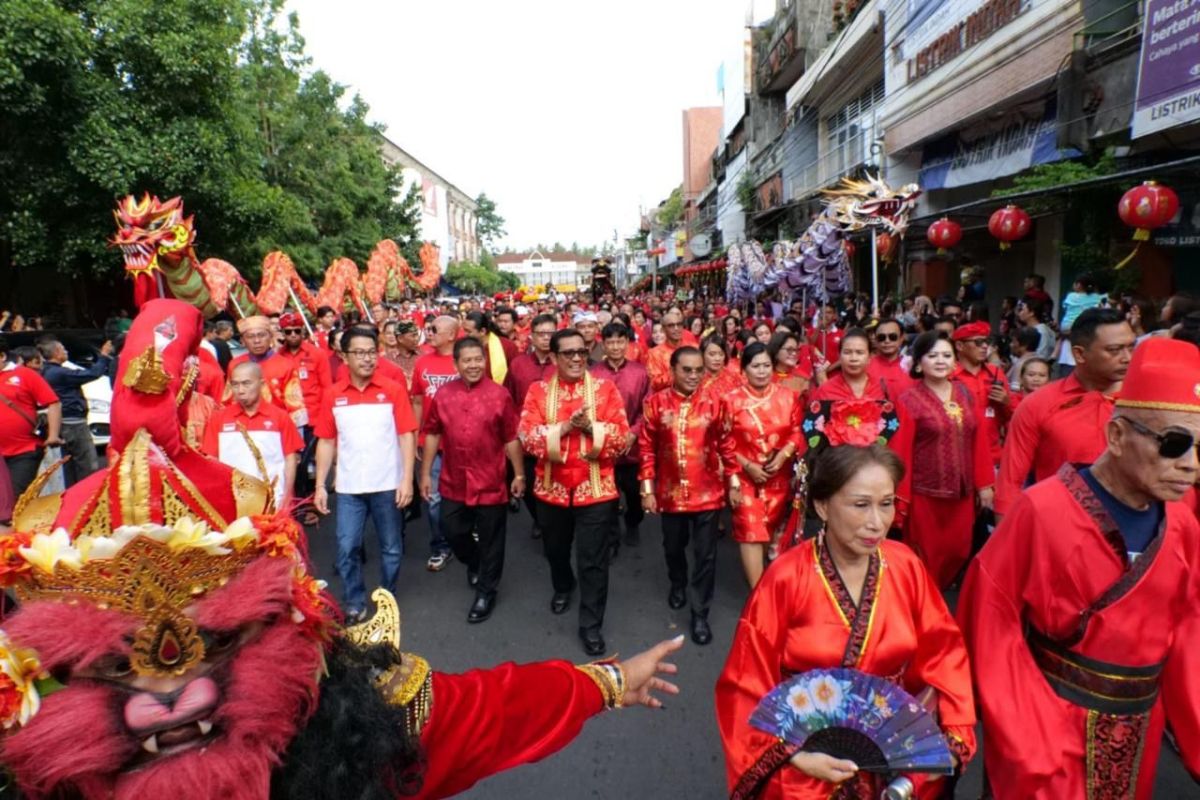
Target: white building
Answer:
[[565, 270], [447, 212]]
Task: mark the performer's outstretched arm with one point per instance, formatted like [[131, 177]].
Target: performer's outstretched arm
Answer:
[[486, 721]]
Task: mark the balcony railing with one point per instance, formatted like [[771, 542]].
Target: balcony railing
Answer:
[[778, 57], [847, 158], [1110, 23]]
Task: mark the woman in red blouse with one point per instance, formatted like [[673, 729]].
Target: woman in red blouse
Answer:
[[721, 374], [760, 434], [848, 598], [948, 457], [784, 351], [850, 380]]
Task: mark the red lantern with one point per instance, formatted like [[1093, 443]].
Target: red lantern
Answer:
[[885, 246], [849, 248], [1009, 224], [944, 234], [1147, 207]]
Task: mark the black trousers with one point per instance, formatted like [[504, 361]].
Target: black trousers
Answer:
[[486, 557], [625, 476], [530, 480], [701, 528], [588, 528], [23, 468]]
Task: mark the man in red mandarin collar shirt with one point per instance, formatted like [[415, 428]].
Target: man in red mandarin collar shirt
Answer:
[[474, 422]]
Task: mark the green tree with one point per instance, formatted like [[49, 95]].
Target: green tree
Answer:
[[473, 278], [489, 225], [671, 211]]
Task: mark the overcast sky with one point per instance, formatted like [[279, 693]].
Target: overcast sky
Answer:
[[567, 113]]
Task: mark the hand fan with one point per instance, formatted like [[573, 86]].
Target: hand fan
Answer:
[[850, 714]]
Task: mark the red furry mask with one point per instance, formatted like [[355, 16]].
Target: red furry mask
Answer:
[[216, 731]]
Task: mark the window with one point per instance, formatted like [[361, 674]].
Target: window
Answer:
[[851, 131]]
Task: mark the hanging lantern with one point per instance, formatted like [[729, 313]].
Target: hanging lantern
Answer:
[[944, 234], [886, 245], [1009, 224], [1147, 207], [849, 248]]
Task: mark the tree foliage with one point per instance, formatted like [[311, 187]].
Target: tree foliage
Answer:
[[671, 211], [200, 98], [489, 225], [475, 278]]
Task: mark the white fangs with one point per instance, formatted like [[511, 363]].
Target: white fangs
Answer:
[[205, 727], [150, 745]]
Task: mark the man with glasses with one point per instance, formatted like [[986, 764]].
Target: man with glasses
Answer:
[[658, 362], [368, 423], [281, 383], [526, 370], [315, 376], [887, 365], [986, 382], [574, 424], [681, 479], [1064, 422], [1081, 613]]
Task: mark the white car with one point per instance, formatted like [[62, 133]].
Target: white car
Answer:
[[98, 394]]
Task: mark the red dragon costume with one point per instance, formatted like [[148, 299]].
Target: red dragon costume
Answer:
[[171, 640]]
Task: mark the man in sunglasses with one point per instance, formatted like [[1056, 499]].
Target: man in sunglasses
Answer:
[[1063, 423], [574, 425], [1082, 613], [986, 382], [313, 372], [886, 365], [281, 385], [658, 362]]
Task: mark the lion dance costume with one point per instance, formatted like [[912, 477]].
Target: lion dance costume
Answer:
[[171, 640]]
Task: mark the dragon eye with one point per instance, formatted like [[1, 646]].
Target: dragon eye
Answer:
[[113, 666], [218, 642], [155, 225]]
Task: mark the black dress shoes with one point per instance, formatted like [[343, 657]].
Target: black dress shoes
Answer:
[[701, 633], [593, 642], [560, 602], [481, 609], [677, 597]]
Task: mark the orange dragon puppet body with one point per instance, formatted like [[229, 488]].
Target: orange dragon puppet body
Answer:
[[172, 641], [156, 241]]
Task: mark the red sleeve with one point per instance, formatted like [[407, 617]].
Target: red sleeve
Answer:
[[486, 721], [324, 371], [647, 440], [431, 420], [985, 468], [610, 409], [41, 392], [402, 413], [292, 441], [533, 427], [508, 419], [419, 385], [1181, 678], [325, 427], [1016, 460], [212, 436]]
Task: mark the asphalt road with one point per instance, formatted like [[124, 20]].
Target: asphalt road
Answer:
[[627, 755]]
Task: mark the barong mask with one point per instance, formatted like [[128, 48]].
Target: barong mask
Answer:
[[170, 637]]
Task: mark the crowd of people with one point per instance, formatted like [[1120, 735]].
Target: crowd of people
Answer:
[[859, 459]]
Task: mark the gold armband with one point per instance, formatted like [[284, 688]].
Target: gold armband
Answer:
[[647, 487], [609, 678], [735, 482]]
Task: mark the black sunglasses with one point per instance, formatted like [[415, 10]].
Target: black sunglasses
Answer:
[[293, 330], [1171, 444], [887, 337]]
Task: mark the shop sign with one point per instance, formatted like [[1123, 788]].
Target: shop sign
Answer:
[[1168, 91]]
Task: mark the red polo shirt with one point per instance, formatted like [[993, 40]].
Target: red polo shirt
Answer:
[[271, 430], [994, 415], [312, 369], [475, 423], [28, 391], [366, 423]]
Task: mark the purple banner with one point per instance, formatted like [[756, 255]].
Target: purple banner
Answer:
[[1168, 92]]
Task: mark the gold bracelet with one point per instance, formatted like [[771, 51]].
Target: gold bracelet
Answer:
[[609, 678]]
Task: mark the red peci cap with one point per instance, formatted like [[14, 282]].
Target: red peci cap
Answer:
[[291, 320], [1164, 374], [972, 330]]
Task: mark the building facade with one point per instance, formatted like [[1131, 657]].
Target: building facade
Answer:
[[448, 214], [564, 270]]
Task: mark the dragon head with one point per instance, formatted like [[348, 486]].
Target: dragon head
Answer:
[[148, 229], [858, 204]]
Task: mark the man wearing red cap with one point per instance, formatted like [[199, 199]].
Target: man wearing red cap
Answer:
[[984, 381], [1064, 421], [1082, 613], [281, 385], [311, 365]]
